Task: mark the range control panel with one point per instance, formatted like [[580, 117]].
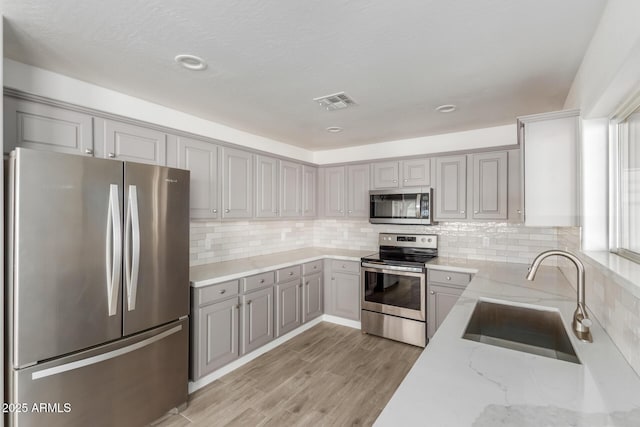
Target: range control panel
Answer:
[[429, 241]]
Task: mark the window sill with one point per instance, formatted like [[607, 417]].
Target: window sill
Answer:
[[622, 270]]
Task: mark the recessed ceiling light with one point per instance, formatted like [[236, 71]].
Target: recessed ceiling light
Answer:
[[334, 129], [191, 62], [446, 108]]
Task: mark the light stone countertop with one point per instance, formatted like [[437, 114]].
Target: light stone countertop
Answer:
[[218, 272], [456, 382]]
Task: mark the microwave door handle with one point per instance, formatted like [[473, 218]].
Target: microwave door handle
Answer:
[[418, 204]]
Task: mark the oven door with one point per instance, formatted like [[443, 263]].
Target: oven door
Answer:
[[395, 290]]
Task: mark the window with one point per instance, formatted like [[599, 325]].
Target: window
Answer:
[[626, 188]]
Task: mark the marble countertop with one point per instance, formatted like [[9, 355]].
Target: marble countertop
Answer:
[[457, 382], [218, 272]]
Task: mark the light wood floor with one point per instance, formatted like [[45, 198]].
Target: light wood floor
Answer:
[[330, 375]]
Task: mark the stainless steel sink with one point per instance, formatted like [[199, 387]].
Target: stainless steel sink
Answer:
[[524, 329]]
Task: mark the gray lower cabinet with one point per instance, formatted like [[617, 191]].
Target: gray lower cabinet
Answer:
[[127, 142], [201, 158], [342, 289], [451, 188], [489, 185], [443, 290], [237, 183], [217, 331], [288, 306], [39, 126], [257, 319], [312, 296]]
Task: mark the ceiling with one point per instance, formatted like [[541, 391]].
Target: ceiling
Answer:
[[494, 59]]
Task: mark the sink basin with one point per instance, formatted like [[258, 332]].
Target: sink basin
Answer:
[[524, 329]]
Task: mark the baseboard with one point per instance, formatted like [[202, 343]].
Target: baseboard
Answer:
[[206, 380], [341, 321]]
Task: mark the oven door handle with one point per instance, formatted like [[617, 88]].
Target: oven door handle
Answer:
[[392, 267]]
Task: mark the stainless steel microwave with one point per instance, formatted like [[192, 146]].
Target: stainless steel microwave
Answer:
[[401, 206]]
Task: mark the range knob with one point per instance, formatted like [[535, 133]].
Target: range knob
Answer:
[[430, 240], [424, 239]]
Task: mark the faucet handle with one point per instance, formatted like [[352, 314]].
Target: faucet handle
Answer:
[[586, 322]]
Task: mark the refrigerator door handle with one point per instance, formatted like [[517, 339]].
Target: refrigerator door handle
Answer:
[[114, 249], [132, 248]]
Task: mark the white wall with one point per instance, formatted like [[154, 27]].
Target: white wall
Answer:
[[467, 140], [611, 65], [59, 87]]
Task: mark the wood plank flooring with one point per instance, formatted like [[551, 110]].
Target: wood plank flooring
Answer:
[[330, 375]]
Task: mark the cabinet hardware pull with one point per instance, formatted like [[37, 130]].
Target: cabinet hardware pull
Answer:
[[88, 151], [432, 293], [291, 273], [306, 283], [237, 306], [249, 302], [227, 211], [112, 155], [461, 212], [448, 277], [350, 211], [261, 280], [222, 291], [406, 180], [214, 210], [475, 212]]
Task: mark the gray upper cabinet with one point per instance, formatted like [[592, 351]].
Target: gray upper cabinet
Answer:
[[237, 183], [451, 188], [123, 141], [489, 185], [290, 189], [288, 306], [309, 191], [201, 158], [39, 126], [416, 172], [514, 187], [267, 187], [334, 191], [358, 191], [257, 319], [385, 175]]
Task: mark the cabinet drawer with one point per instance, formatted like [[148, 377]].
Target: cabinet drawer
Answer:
[[449, 277], [217, 292], [345, 266], [258, 281], [312, 267], [289, 273]]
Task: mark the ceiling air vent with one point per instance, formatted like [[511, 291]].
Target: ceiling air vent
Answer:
[[337, 101]]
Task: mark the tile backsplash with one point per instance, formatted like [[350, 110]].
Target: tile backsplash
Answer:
[[494, 241], [617, 309]]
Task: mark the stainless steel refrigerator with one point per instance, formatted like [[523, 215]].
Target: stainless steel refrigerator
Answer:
[[97, 290]]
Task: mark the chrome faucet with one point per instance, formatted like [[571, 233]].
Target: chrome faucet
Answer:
[[581, 321]]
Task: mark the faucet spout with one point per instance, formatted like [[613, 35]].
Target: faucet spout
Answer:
[[581, 321]]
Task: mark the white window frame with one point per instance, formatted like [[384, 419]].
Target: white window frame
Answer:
[[617, 122]]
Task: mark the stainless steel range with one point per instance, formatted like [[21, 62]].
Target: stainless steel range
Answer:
[[394, 287]]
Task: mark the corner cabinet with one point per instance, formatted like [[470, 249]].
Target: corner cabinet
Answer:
[[550, 152], [237, 183], [451, 188], [201, 158]]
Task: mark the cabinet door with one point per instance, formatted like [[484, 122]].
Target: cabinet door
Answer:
[[267, 187], [440, 301], [345, 295], [218, 336], [334, 188], [385, 175], [237, 183], [131, 143], [451, 187], [489, 185], [32, 125], [290, 189], [257, 319], [201, 158], [288, 306], [309, 191], [416, 172], [312, 297], [358, 191]]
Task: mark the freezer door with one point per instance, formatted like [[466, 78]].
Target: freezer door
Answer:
[[156, 247], [130, 382], [64, 254]]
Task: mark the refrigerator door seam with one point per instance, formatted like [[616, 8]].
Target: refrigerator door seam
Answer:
[[102, 357]]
